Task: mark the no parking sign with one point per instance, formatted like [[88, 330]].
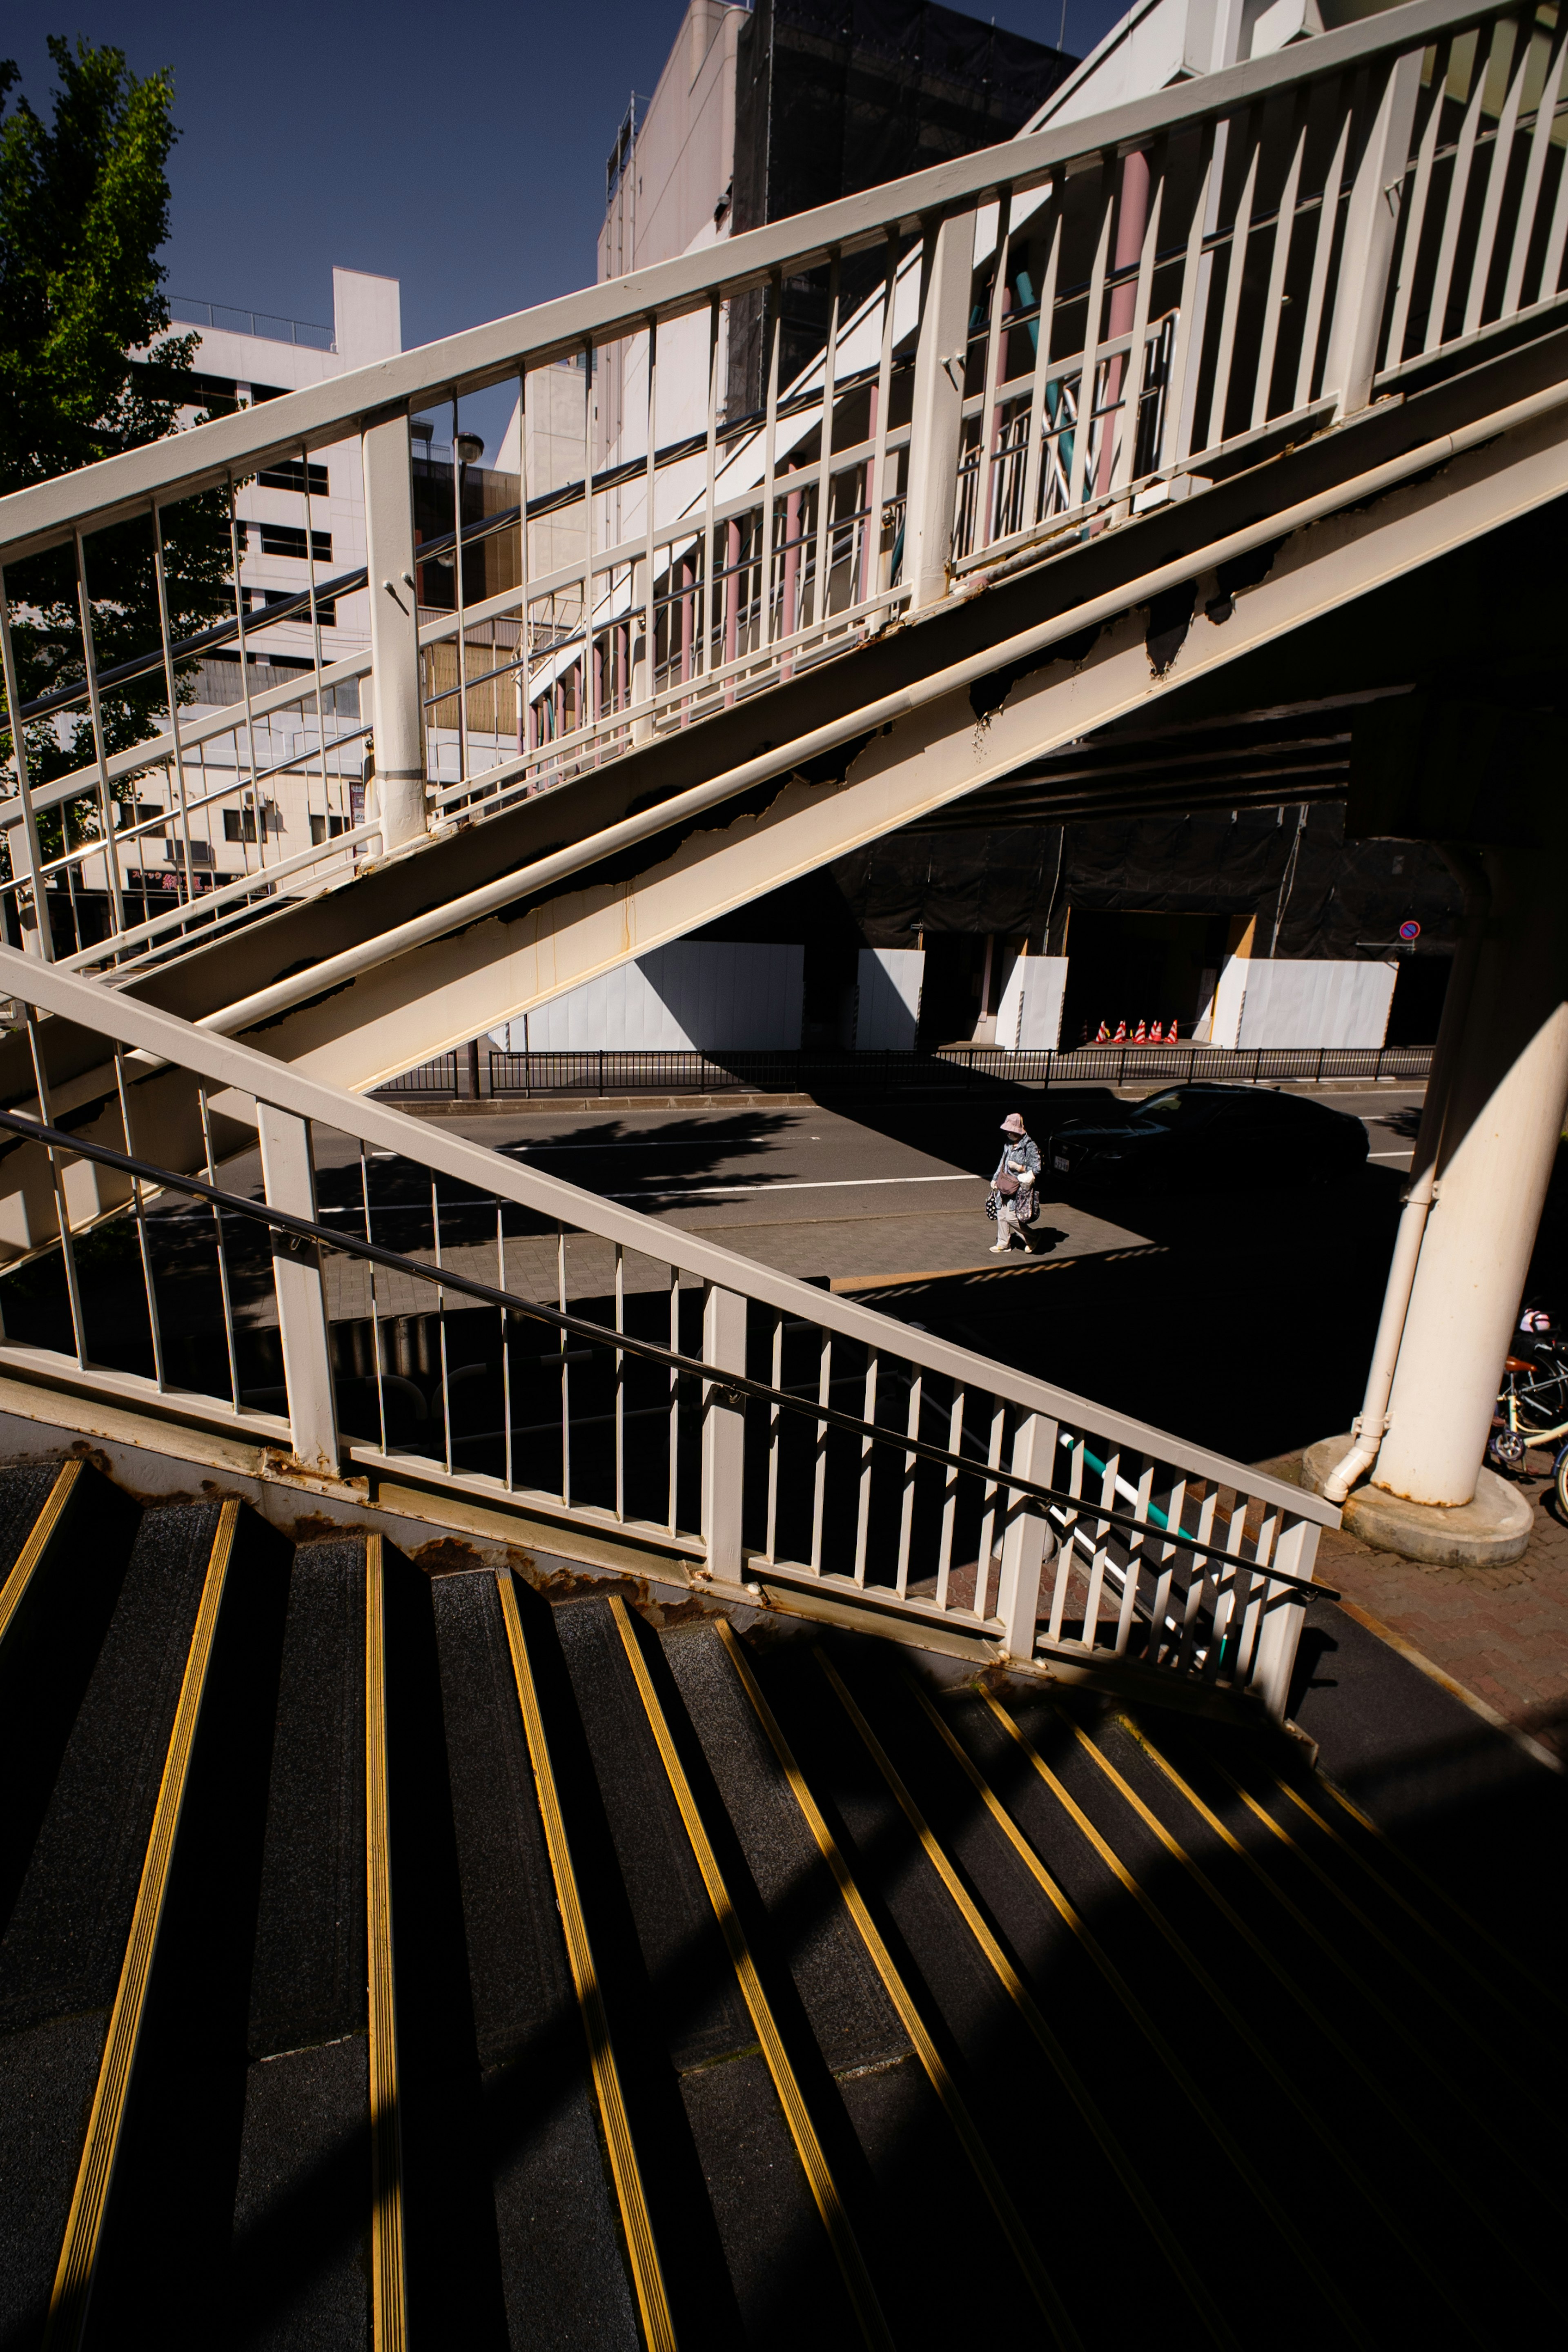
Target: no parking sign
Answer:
[[1410, 931]]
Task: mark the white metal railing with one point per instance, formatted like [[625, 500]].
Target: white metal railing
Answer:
[[426, 1310], [1024, 349]]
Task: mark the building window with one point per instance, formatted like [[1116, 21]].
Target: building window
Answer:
[[283, 538], [293, 476], [327, 828], [259, 600], [239, 824]]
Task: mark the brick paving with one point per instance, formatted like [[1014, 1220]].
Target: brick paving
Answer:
[[1500, 1632]]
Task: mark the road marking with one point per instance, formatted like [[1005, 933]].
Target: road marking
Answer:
[[1406, 1154], [764, 1184]]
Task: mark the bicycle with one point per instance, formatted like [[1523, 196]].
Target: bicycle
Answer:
[[1533, 1402]]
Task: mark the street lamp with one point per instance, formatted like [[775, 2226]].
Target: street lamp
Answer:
[[470, 448]]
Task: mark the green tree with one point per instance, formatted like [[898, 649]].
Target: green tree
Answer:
[[89, 368]]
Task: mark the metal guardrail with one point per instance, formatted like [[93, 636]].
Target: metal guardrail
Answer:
[[611, 1071], [748, 1427], [1026, 348]]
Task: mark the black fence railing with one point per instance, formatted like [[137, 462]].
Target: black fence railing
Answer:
[[950, 1068]]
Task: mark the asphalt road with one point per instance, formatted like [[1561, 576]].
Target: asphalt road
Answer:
[[894, 1193]]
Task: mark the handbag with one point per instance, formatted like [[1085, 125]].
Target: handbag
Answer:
[[1006, 1185]]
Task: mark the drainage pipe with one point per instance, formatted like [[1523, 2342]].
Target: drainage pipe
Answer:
[[1371, 1421]]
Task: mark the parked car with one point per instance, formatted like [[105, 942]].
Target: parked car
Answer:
[[1208, 1136]]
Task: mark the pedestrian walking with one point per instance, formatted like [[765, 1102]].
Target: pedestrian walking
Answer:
[[1013, 1201]]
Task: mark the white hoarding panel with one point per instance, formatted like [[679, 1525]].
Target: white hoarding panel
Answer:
[[888, 1008]]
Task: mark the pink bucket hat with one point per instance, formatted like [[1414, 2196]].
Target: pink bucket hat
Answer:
[[1014, 1123]]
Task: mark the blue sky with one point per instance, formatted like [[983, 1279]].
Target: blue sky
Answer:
[[463, 151]]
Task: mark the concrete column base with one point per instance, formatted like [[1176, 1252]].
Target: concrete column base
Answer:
[[1489, 1531]]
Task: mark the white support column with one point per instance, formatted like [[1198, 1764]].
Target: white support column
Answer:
[[723, 1434], [1024, 1538], [1505, 1110], [396, 709], [290, 1183], [1371, 222], [936, 426]]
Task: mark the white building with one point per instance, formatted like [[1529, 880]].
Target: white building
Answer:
[[301, 527]]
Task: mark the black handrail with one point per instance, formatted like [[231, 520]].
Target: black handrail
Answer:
[[730, 1386]]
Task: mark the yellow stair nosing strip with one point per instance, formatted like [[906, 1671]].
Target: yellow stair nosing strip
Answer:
[[952, 2102], [389, 2317], [37, 1541], [841, 2236], [74, 2275], [648, 2274]]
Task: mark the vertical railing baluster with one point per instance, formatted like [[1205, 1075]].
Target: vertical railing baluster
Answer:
[[565, 1371], [825, 454], [1136, 361], [674, 1392], [620, 1385], [441, 1321], [1134, 1547], [1459, 177], [863, 1508], [1241, 232], [587, 708], [1317, 290], [144, 1242], [1497, 176], [221, 1239], [949, 1497], [906, 1509], [1278, 266], [100, 742], [170, 688], [775, 1435], [819, 1470], [764, 635], [1102, 1539], [505, 1347], [1038, 421], [327, 811], [1258, 1586], [527, 736], [987, 1547], [1192, 310], [374, 1309], [650, 557], [1085, 428], [1069, 1543], [1176, 1503], [56, 1173], [32, 852], [1413, 209], [1530, 195], [1201, 1585], [994, 336], [705, 591]]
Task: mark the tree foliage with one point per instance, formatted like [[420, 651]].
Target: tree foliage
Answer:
[[89, 368]]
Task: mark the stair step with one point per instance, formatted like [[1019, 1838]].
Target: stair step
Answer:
[[395, 1958]]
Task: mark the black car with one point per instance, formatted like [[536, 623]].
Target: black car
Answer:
[[1211, 1136]]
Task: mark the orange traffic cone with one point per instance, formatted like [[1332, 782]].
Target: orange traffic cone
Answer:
[[1156, 1036], [1102, 1034], [1120, 1033], [1140, 1035], [1171, 1034]]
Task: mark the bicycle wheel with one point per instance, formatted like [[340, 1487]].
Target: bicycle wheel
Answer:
[[1562, 1482], [1541, 1401]]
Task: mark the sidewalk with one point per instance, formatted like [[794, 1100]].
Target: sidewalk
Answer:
[[1500, 1634]]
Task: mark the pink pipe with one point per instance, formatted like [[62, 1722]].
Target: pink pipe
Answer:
[[791, 575], [1133, 219], [872, 523]]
